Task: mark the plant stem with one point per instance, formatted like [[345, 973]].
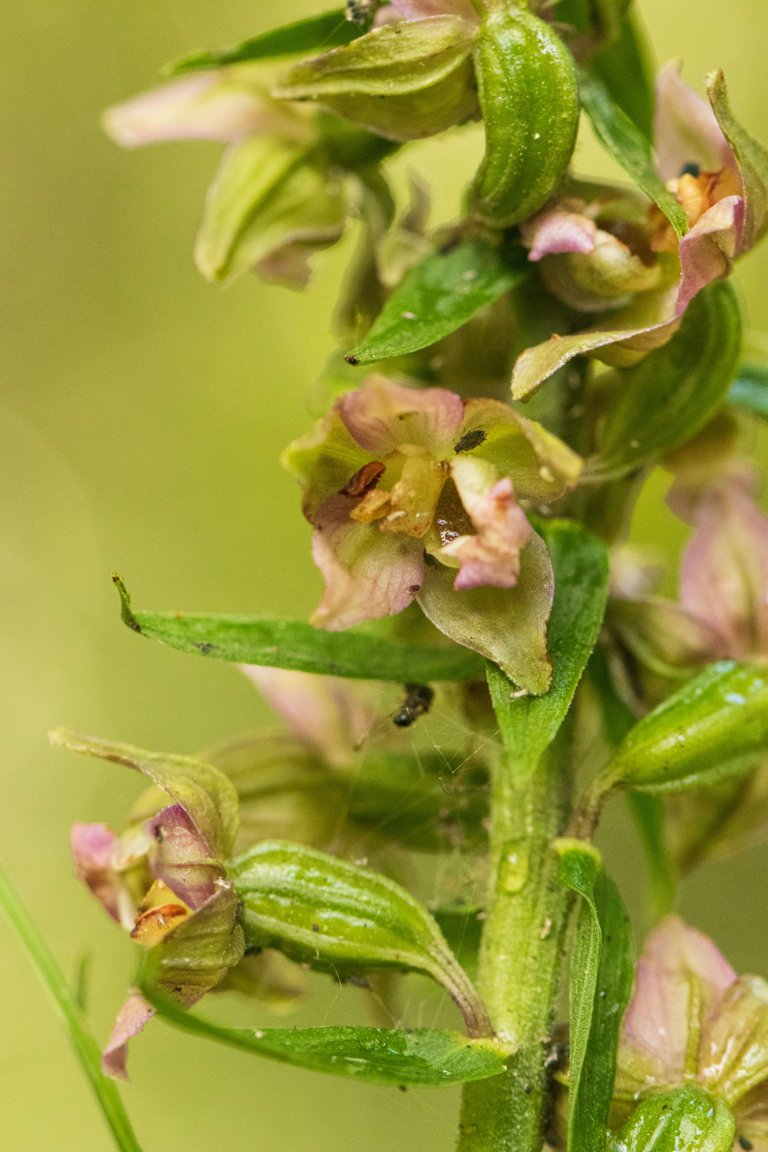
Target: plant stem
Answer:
[[522, 954], [63, 997]]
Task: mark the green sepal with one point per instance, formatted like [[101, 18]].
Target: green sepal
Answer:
[[529, 725], [708, 730], [602, 972], [508, 626], [528, 94], [427, 1056], [327, 30], [749, 391], [405, 81], [268, 194], [204, 792], [198, 954], [339, 917], [674, 391], [438, 296], [686, 1120], [628, 146], [295, 644]]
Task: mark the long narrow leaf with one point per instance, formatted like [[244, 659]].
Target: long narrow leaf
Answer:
[[294, 644], [424, 1056], [601, 983], [328, 30], [65, 1001], [627, 144]]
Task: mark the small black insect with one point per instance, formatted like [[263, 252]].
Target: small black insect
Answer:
[[690, 170], [416, 702], [470, 440], [362, 11]]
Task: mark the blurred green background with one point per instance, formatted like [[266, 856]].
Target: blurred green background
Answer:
[[140, 417]]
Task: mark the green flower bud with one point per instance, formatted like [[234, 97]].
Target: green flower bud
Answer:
[[335, 915], [529, 99], [710, 729], [686, 1120], [403, 81]]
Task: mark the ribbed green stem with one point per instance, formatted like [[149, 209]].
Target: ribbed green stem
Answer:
[[521, 957]]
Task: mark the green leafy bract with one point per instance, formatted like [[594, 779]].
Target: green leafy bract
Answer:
[[425, 1056], [337, 916], [530, 724], [627, 144], [327, 30], [674, 391], [601, 982], [438, 296], [295, 644]]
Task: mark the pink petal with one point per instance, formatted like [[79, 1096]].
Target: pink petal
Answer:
[[681, 977], [686, 130], [198, 107], [383, 416], [492, 557], [331, 714], [181, 857], [707, 250], [368, 573], [131, 1018], [724, 572], [93, 846], [557, 230], [422, 9]]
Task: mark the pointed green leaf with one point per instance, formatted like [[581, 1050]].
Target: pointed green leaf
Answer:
[[339, 917], [202, 790], [426, 1056], [708, 730], [295, 644], [602, 972], [750, 390], [628, 55], [529, 725], [627, 144], [674, 391], [686, 1120], [316, 33], [438, 296]]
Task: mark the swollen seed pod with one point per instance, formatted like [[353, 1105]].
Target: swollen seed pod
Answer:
[[528, 93]]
